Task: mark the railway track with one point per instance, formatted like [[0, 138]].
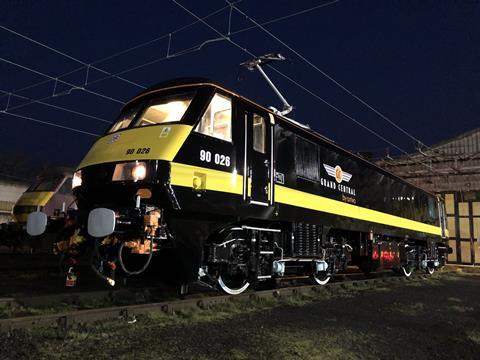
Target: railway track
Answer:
[[64, 320]]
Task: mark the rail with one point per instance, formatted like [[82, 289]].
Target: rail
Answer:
[[62, 321]]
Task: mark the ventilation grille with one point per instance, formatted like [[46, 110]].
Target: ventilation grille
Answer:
[[306, 242]]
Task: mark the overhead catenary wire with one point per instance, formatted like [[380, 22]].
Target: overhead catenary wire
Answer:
[[179, 53], [74, 87], [341, 86], [171, 56], [7, 110], [48, 123], [268, 22], [203, 43], [326, 75], [168, 56], [53, 106], [174, 32], [109, 57], [292, 80], [69, 56]]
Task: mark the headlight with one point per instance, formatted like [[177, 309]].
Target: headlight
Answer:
[[130, 171], [77, 179], [139, 171]]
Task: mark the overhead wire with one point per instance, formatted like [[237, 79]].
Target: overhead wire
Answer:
[[109, 57], [88, 66], [198, 47], [329, 77], [48, 123], [292, 80], [301, 12], [50, 78], [52, 106], [74, 87], [169, 56]]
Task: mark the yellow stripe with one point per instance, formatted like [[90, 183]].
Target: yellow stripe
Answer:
[[302, 199], [182, 175], [162, 144]]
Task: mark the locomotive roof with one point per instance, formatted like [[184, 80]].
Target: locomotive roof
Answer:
[[186, 82]]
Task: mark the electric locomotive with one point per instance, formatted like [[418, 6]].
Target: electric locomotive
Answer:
[[210, 185]]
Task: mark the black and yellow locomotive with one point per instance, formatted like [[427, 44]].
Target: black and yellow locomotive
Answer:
[[210, 185]]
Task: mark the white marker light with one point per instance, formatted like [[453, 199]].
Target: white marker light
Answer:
[[77, 179], [139, 171]]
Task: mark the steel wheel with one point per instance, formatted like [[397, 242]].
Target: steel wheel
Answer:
[[406, 271], [321, 278], [233, 285]]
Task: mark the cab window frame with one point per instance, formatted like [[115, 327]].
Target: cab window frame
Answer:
[[204, 111], [144, 102], [159, 100]]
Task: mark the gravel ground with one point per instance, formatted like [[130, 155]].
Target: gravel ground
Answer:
[[434, 319]]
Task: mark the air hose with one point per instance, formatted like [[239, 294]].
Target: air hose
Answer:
[[137, 272], [96, 251]]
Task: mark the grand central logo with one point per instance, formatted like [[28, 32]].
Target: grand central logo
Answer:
[[340, 176], [337, 173]]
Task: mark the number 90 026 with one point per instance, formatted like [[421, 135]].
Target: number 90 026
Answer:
[[218, 159]]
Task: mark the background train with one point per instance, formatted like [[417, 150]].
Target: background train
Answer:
[[210, 185], [51, 193]]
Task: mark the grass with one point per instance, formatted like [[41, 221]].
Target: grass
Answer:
[[282, 342], [410, 309], [474, 336], [126, 297]]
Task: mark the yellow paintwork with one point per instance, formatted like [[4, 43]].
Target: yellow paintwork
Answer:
[[33, 198], [163, 144], [183, 175], [294, 197]]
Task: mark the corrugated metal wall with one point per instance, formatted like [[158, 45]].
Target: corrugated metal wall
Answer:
[[455, 173]]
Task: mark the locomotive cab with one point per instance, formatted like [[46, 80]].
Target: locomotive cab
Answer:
[[154, 169]]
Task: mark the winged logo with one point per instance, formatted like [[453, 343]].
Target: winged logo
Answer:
[[337, 173], [114, 138]]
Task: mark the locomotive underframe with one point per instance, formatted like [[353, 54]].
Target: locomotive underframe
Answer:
[[236, 252]]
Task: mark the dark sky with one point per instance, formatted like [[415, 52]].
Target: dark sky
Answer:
[[415, 61]]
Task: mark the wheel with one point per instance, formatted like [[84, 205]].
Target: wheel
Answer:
[[430, 270], [321, 278], [233, 284], [406, 271], [233, 274]]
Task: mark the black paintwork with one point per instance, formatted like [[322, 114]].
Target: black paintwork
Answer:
[[299, 157]]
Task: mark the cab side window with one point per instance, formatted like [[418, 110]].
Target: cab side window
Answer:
[[217, 120], [259, 130]]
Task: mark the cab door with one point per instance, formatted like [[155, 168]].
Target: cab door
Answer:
[[258, 159]]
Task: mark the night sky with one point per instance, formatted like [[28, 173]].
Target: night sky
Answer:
[[417, 62]]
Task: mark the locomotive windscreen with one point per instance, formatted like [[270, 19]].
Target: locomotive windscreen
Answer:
[[166, 109]]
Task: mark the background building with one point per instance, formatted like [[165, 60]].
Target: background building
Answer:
[[452, 169]]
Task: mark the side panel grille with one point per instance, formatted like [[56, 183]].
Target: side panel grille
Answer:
[[306, 239]]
